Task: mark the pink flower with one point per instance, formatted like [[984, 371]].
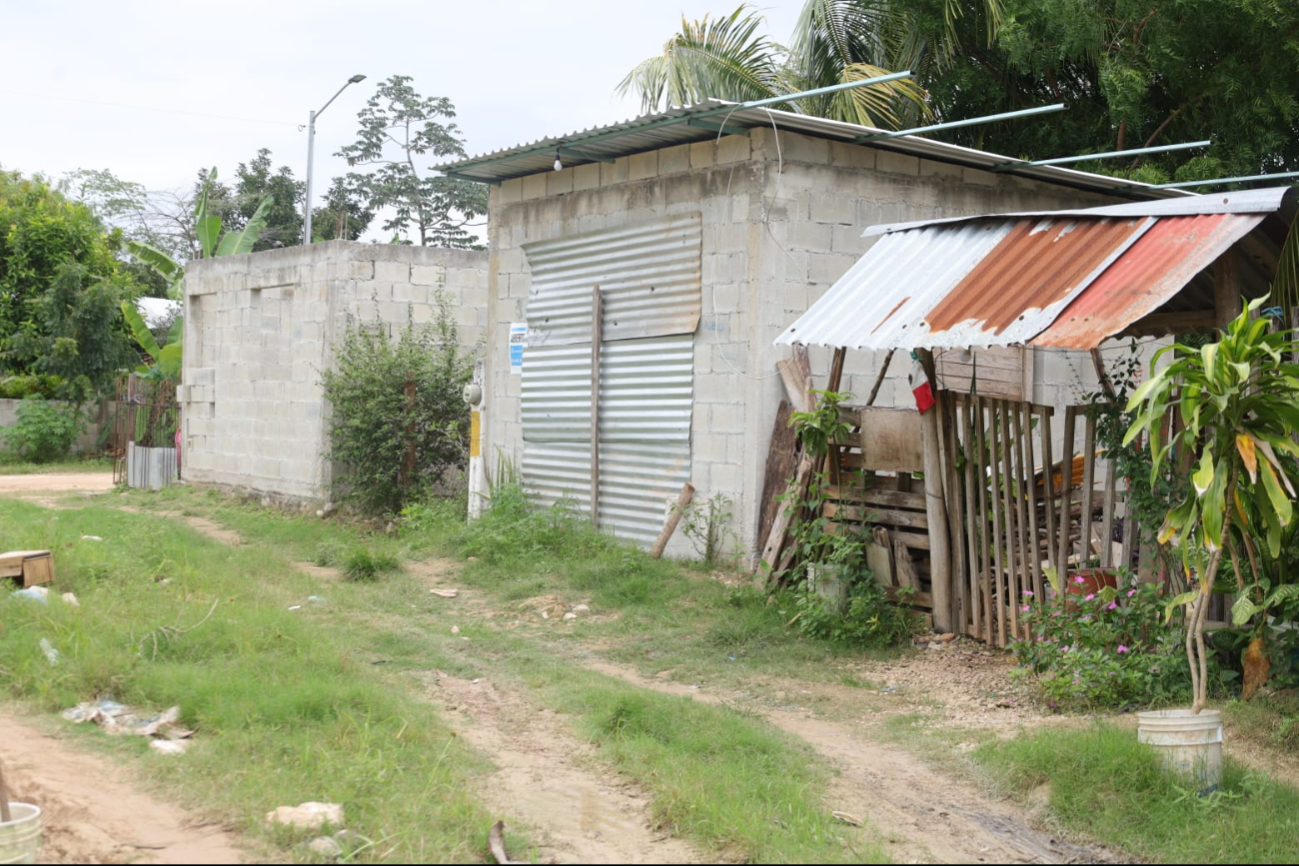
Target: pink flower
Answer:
[[1122, 648], [1114, 605], [1131, 592], [1079, 579], [1028, 593], [1025, 609]]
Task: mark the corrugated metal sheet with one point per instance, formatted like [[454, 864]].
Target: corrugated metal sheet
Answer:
[[1258, 201], [646, 133], [1024, 282], [646, 403], [1157, 267], [648, 273], [882, 299]]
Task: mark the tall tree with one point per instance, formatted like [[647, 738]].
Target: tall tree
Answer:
[[344, 215], [256, 179], [398, 125]]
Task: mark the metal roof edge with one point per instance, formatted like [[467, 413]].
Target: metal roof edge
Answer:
[[1264, 201]]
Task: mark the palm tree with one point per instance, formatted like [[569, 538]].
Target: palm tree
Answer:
[[835, 41]]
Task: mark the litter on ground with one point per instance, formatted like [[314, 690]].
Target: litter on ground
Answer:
[[307, 816], [119, 719]]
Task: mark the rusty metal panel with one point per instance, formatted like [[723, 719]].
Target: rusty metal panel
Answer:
[[1027, 280], [1155, 269], [649, 273], [882, 301]]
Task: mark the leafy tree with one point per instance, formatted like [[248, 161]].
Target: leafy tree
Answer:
[[396, 126], [81, 338], [254, 181], [42, 233], [344, 215]]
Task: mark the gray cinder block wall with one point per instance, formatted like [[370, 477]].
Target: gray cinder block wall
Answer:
[[782, 216], [260, 328]]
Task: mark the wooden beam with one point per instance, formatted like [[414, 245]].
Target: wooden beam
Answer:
[[597, 336], [1226, 288], [670, 526], [940, 558]]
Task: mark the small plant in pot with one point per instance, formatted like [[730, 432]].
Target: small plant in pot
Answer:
[[1239, 406]]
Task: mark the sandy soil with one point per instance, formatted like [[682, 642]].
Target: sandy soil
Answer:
[[547, 777], [47, 490], [93, 814]]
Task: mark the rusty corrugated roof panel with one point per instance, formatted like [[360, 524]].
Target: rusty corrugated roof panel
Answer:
[[879, 303], [1156, 267], [1027, 280]]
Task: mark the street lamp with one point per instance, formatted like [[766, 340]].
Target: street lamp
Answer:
[[311, 146]]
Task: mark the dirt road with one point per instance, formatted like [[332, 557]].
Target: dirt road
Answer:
[[92, 813], [56, 483]]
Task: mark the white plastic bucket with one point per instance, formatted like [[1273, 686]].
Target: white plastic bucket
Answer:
[[20, 838], [1190, 743]]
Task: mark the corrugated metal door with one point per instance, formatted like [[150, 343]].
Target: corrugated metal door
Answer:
[[650, 277]]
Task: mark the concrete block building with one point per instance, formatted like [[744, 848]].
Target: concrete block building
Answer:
[[260, 329], [707, 231]]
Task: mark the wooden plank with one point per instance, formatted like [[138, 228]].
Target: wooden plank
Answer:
[[879, 557], [835, 383], [903, 566], [670, 525], [1034, 529], [874, 496], [597, 337], [1023, 481], [798, 385], [1066, 490], [892, 440], [876, 516], [955, 510], [771, 550], [1107, 517], [1226, 289], [1088, 488], [782, 459], [1130, 530], [987, 580], [879, 378], [999, 530], [1011, 518], [918, 599], [975, 576], [1048, 494]]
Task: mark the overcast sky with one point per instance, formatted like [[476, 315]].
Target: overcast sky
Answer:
[[108, 85]]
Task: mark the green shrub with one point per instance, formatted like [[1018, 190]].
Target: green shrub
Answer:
[[374, 422], [44, 431], [22, 387], [869, 619], [1108, 649], [362, 566]]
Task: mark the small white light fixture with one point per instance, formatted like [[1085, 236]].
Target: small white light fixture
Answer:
[[559, 163]]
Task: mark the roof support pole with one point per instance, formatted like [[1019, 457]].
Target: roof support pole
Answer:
[[940, 556], [1226, 288]]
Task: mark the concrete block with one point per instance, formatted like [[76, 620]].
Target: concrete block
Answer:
[[733, 148], [852, 156], [643, 165], [674, 159], [828, 269], [703, 154], [933, 168], [801, 148], [829, 207], [534, 187], [510, 191], [614, 172], [725, 418], [586, 176], [393, 272], [428, 275], [897, 163], [848, 239], [559, 182], [816, 237], [980, 177], [710, 447]]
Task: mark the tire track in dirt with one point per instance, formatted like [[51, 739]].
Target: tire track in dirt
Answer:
[[91, 814], [553, 781], [928, 817]]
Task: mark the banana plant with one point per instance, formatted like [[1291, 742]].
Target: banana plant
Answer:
[[166, 356], [1239, 405]]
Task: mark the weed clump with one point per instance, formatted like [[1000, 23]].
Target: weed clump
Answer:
[[362, 566]]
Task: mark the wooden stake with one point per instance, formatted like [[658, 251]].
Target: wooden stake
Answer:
[[670, 526], [940, 558], [1089, 485], [5, 814], [879, 378], [597, 335], [1066, 491]]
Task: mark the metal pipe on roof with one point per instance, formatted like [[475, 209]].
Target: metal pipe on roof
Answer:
[[1136, 151], [1221, 181], [683, 118], [955, 124]]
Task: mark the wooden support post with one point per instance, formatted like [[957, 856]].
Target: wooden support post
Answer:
[[988, 576], [597, 336], [1048, 496], [955, 509], [670, 526], [940, 556], [834, 384], [1066, 492], [879, 378], [973, 517], [1088, 487], [1226, 288], [1107, 519]]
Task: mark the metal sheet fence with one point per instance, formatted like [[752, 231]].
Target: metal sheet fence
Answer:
[[146, 417]]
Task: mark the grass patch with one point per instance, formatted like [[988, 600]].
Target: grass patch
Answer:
[[1105, 784], [286, 706], [1272, 720], [362, 566], [12, 464]]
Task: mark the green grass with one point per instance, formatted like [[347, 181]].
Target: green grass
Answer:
[[1271, 720], [11, 464], [286, 708], [361, 565], [1105, 784]]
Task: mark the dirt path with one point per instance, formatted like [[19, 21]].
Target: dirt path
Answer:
[[927, 816], [91, 815], [47, 489], [544, 775]]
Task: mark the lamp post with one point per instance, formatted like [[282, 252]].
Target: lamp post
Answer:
[[311, 146]]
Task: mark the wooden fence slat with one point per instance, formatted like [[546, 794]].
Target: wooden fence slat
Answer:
[[1034, 530], [1088, 489], [1007, 473], [869, 496], [999, 528], [882, 516], [1048, 494], [955, 512], [987, 579], [1107, 520], [974, 601], [1066, 489]]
